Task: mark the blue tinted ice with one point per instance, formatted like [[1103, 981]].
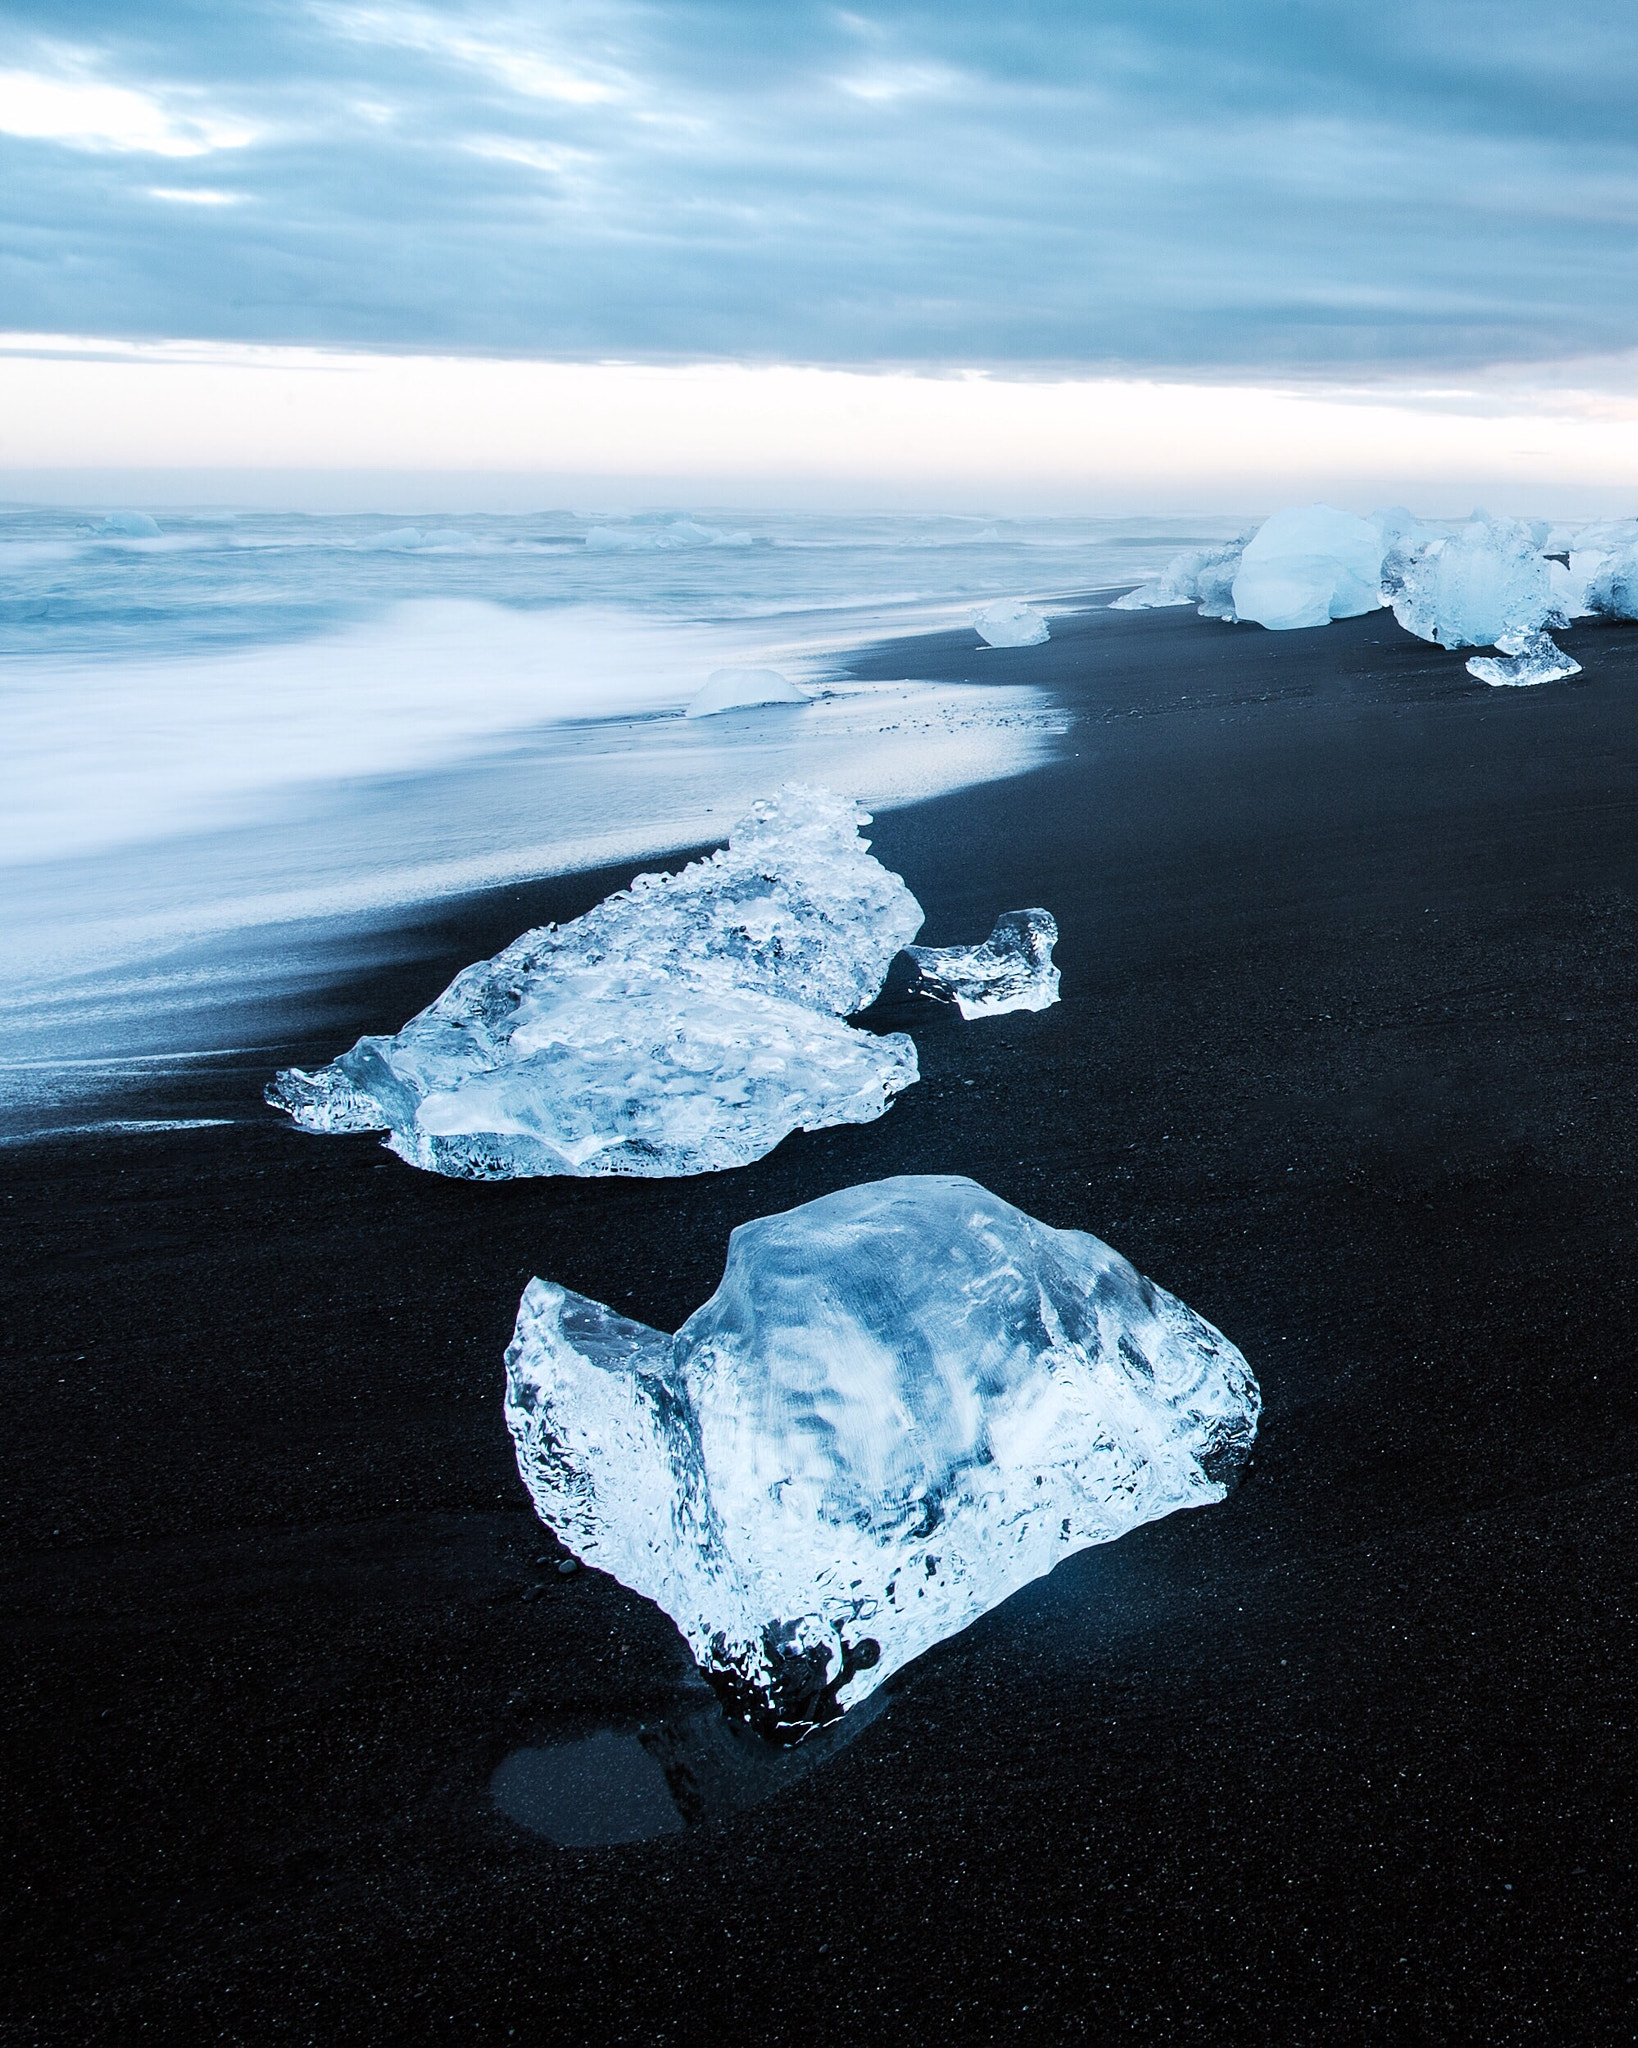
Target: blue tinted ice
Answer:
[[686, 1024], [1486, 582], [1308, 565], [903, 1402], [1203, 577]]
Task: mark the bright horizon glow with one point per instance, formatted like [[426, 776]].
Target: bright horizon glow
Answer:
[[70, 403]]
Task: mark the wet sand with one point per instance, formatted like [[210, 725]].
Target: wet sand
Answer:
[[1345, 1058]]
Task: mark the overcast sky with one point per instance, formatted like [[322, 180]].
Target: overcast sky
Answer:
[[1185, 186]]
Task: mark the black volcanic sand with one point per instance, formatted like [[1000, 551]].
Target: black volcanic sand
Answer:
[[1345, 1058]]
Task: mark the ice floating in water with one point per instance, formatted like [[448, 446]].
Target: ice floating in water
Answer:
[[1485, 583], [1307, 566], [1011, 623], [1530, 658], [130, 526], [687, 1024], [675, 533], [903, 1402], [411, 540], [1012, 970], [737, 689], [1203, 577]]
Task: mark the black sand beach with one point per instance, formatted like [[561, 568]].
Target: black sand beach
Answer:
[[1345, 1058]]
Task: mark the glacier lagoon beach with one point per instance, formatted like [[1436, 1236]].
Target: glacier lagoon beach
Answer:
[[1343, 1057]]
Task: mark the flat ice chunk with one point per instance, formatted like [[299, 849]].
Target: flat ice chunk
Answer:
[[687, 1024], [1011, 623], [1524, 659], [1012, 970], [1485, 583], [737, 689], [904, 1401], [1203, 577], [1307, 566]]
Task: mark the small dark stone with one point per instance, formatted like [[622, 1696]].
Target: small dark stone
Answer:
[[567, 1565]]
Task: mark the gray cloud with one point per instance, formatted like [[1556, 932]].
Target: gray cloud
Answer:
[[1295, 185]]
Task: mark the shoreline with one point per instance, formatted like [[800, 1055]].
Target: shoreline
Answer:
[[164, 1009], [1349, 945]]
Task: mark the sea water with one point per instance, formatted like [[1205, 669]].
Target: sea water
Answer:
[[240, 747]]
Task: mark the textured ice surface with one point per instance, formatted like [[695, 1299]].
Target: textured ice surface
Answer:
[[1012, 970], [1483, 584], [1525, 659], [737, 689], [1570, 591], [1011, 623], [1608, 583], [686, 1024], [1308, 565], [903, 1402], [1203, 577]]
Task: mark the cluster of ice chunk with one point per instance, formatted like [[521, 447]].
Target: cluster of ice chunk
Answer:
[[1482, 582], [687, 1024], [1012, 970], [904, 1401], [1011, 623]]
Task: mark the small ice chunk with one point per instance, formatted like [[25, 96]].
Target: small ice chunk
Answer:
[[1523, 659], [738, 689], [904, 1401], [1308, 565], [1485, 583], [130, 526], [1011, 623], [687, 1024], [1203, 577], [1012, 970], [1152, 597]]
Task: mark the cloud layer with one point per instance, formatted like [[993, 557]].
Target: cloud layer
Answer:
[[1167, 186]]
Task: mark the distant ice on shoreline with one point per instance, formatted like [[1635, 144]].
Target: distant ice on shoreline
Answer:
[[1479, 582]]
